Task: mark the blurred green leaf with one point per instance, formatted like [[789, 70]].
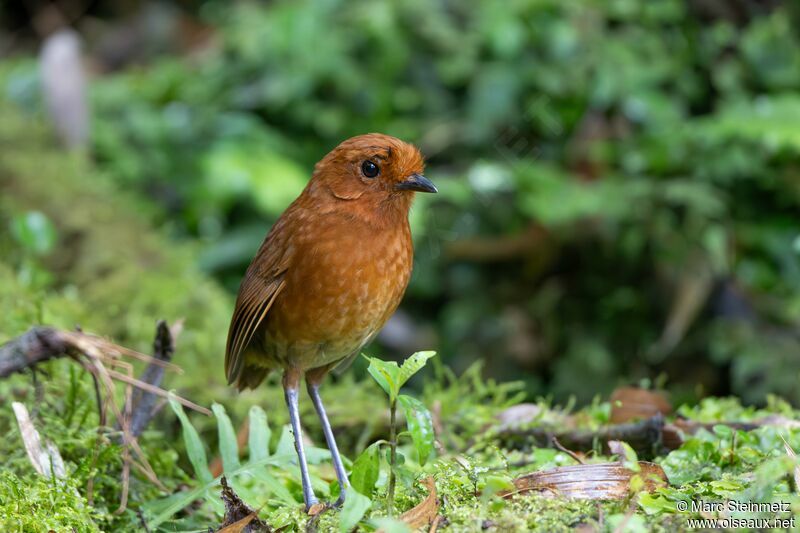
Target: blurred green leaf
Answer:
[[354, 509], [365, 470], [34, 231], [228, 445], [420, 425], [194, 446], [259, 434]]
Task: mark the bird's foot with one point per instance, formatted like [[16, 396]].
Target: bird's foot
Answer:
[[316, 507]]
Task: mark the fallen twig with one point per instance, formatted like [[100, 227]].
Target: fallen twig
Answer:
[[100, 358], [577, 458], [34, 346], [644, 437]]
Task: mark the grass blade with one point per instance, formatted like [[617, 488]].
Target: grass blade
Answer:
[[194, 446], [260, 434], [178, 502], [228, 447]]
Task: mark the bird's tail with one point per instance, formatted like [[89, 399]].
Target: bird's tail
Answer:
[[250, 377]]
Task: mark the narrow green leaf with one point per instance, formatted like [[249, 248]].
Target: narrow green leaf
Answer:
[[194, 446], [386, 374], [274, 485], [354, 509], [411, 366], [228, 447], [420, 425], [259, 434], [164, 510], [364, 473], [286, 442]]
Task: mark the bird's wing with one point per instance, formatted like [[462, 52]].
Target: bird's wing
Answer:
[[262, 283]]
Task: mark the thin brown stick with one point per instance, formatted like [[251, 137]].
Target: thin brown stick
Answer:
[[572, 454], [95, 365], [88, 342], [155, 390]]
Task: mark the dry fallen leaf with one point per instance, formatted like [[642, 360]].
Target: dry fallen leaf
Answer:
[[426, 511], [603, 481], [631, 403], [239, 525]]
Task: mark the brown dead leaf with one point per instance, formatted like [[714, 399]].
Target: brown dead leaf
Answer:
[[631, 403], [603, 481], [239, 518], [239, 525], [426, 511]]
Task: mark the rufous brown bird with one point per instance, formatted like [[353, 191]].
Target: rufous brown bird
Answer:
[[328, 276]]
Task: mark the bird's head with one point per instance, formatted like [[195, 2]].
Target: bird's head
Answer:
[[373, 168]]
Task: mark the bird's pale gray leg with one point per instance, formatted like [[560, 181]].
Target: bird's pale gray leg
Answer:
[[290, 387], [341, 475]]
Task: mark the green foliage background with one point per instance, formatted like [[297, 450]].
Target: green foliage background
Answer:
[[601, 164]]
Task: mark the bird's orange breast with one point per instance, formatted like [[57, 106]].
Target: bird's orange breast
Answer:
[[344, 282]]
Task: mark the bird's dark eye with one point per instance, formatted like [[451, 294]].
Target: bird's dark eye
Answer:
[[370, 169]]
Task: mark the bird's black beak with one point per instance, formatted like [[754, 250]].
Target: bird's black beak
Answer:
[[416, 182]]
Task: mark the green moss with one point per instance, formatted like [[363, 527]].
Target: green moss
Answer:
[[33, 504], [113, 273]]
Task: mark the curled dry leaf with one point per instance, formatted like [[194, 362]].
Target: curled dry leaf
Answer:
[[632, 403], [426, 511], [239, 525], [603, 481]]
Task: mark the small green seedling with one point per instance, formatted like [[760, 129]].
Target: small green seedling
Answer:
[[391, 377]]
